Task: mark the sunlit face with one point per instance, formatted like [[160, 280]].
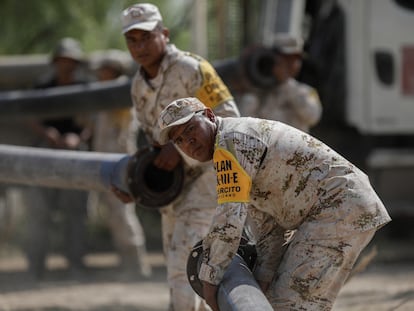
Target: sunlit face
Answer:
[[147, 47], [196, 137], [65, 65], [287, 66], [281, 68], [106, 73]]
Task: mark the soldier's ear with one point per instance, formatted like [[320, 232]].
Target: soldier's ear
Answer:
[[210, 114], [166, 34]]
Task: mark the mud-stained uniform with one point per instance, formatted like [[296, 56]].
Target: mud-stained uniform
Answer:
[[273, 177], [111, 135], [186, 221], [291, 102]]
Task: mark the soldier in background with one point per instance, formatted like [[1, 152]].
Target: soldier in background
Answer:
[[166, 73], [289, 101], [111, 135], [50, 209]]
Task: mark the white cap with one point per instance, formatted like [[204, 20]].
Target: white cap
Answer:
[[143, 16], [287, 44]]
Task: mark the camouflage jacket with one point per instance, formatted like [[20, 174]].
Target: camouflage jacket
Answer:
[[280, 178], [181, 74]]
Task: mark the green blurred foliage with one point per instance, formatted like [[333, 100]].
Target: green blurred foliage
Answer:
[[35, 26]]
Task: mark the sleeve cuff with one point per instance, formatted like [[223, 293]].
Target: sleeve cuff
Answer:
[[210, 274]]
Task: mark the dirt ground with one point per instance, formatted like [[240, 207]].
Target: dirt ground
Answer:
[[386, 284]]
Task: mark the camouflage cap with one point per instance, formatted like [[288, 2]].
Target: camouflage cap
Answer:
[[143, 16], [178, 112]]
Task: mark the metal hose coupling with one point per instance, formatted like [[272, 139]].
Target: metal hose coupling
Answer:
[[150, 186]]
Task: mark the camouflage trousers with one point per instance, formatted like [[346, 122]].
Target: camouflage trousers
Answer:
[[313, 271], [184, 224], [127, 234]]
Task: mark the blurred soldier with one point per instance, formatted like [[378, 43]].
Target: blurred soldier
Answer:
[[166, 73], [290, 101], [46, 206], [110, 135]]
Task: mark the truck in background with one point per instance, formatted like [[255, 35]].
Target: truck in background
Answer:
[[360, 57]]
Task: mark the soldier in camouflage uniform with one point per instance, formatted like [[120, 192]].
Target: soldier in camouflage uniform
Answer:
[[166, 73], [273, 178], [290, 101], [111, 135]]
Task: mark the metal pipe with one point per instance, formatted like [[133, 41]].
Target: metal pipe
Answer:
[[20, 71], [239, 291], [135, 174], [65, 100], [251, 68], [63, 168]]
